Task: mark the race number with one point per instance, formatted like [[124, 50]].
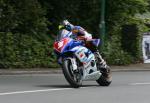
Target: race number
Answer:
[[60, 44]]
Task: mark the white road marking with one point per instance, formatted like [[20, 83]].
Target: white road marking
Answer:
[[33, 91], [140, 83], [36, 91]]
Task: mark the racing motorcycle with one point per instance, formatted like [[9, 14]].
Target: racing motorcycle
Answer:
[[78, 62]]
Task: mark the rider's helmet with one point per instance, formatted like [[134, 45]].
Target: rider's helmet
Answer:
[[68, 26]]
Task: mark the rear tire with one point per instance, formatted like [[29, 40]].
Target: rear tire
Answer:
[[74, 79], [105, 79]]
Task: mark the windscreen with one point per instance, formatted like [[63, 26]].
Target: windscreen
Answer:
[[63, 33]]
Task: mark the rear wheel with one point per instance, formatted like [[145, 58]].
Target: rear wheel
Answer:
[[106, 77], [73, 77]]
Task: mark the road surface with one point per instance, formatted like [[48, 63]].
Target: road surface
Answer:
[[127, 87]]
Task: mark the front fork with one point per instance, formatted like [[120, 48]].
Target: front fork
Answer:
[[74, 64]]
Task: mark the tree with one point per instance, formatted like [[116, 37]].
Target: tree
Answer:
[[119, 12], [23, 37]]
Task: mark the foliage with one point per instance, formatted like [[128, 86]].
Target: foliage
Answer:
[[136, 28], [119, 12], [124, 47], [79, 12], [113, 52], [28, 28], [24, 42], [26, 52]]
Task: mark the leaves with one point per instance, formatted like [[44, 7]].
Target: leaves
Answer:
[[28, 28]]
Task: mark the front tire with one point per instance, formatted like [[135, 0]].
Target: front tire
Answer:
[[73, 78]]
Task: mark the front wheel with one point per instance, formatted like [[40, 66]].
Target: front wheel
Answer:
[[74, 78]]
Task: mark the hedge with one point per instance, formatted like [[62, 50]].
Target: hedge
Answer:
[[24, 51]]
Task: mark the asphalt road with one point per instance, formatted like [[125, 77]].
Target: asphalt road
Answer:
[[127, 87]]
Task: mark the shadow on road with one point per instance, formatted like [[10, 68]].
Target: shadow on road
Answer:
[[63, 86], [54, 86]]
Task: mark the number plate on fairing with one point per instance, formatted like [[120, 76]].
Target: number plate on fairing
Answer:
[[80, 53]]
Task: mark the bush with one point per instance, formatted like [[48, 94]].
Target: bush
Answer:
[[114, 54], [131, 37], [24, 51], [125, 43]]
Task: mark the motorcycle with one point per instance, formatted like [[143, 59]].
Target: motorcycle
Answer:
[[78, 62]]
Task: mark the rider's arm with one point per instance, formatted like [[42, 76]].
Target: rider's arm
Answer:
[[81, 33], [78, 30]]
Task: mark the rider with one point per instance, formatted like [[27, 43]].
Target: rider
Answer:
[[81, 34], [77, 31]]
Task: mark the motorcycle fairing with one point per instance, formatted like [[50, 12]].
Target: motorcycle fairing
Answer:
[[83, 54], [64, 46], [60, 45]]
